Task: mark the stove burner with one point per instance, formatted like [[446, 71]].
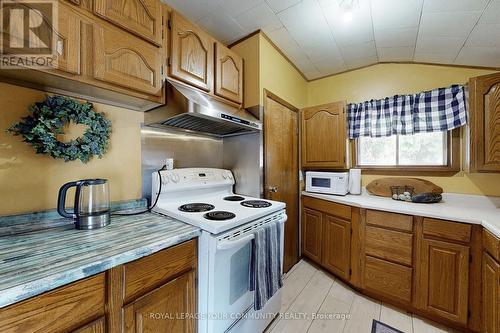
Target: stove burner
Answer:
[[219, 215], [234, 198], [196, 207], [256, 203]]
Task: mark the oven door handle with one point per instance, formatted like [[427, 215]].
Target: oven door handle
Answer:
[[232, 244]]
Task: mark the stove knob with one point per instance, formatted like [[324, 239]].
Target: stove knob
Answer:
[[224, 175], [174, 177], [228, 175]]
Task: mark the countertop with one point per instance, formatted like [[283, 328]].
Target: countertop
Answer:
[[37, 261], [473, 209]]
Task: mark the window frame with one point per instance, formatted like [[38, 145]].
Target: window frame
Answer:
[[452, 158]]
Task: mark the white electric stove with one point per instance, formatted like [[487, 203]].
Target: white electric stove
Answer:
[[204, 197]]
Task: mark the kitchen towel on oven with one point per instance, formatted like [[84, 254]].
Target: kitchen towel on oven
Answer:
[[265, 268]]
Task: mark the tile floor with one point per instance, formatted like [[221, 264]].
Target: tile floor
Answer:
[[308, 290]]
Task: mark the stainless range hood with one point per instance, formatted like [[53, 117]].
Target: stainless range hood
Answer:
[[190, 110]]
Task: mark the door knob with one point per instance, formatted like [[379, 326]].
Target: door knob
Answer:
[[273, 189]]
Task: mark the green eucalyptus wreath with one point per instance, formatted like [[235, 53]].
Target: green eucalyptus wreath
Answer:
[[48, 118]]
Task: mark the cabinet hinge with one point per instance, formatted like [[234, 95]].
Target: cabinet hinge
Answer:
[[169, 24], [350, 271], [161, 69], [470, 258], [169, 62], [468, 314]]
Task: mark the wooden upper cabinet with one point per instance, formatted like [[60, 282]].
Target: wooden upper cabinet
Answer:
[[443, 284], [228, 74], [68, 40], [491, 295], [311, 234], [484, 102], [336, 244], [172, 300], [192, 53], [324, 135], [141, 17], [124, 60]]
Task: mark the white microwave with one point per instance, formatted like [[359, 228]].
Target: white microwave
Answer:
[[327, 182]]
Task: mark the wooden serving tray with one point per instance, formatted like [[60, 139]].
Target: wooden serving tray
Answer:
[[382, 186]]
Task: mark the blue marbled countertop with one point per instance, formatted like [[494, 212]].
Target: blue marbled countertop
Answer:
[[37, 261]]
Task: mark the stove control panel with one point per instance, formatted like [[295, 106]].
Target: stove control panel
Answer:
[[192, 178]]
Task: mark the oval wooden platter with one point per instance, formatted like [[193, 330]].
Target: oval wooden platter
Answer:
[[382, 186]]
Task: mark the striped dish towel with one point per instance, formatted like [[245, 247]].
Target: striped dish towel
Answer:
[[265, 268]]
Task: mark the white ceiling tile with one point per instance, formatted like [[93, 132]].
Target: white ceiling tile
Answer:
[[236, 7], [454, 5], [357, 51], [360, 62], [439, 44], [441, 58], [314, 74], [358, 29], [307, 25], [259, 17], [193, 9], [222, 26], [479, 56], [305, 65], [492, 13], [395, 53], [485, 35], [396, 37], [448, 24], [279, 5], [327, 67], [281, 37], [396, 13]]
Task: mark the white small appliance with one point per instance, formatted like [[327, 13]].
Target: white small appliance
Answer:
[[204, 197], [327, 182]]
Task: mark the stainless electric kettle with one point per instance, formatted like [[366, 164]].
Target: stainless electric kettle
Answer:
[[91, 207]]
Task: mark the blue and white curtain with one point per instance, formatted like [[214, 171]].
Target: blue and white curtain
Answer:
[[436, 110]]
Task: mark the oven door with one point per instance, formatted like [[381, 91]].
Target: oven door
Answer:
[[229, 294]]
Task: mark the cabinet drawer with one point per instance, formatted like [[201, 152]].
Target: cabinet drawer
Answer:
[[388, 279], [331, 208], [390, 245], [447, 230], [60, 310], [491, 244], [390, 220], [145, 274]]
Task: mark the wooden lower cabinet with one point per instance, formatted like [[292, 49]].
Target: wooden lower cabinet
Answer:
[[388, 279], [161, 291], [491, 284], [444, 279], [311, 234], [164, 308], [336, 246]]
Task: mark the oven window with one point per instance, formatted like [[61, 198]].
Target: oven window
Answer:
[[239, 283], [320, 182]]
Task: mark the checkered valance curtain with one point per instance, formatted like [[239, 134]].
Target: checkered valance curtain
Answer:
[[436, 110]]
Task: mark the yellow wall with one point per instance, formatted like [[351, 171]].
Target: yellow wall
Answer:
[[30, 182], [279, 77], [390, 79], [249, 50]]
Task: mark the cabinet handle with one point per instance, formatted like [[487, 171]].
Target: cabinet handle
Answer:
[[60, 47]]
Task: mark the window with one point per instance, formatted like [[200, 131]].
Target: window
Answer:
[[435, 151]]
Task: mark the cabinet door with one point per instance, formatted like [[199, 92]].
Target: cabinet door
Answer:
[[97, 326], [68, 41], [336, 243], [311, 234], [484, 101], [228, 74], [491, 295], [165, 309], [125, 60], [192, 54], [444, 279], [141, 17], [324, 136]]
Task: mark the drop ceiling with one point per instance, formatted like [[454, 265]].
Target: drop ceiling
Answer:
[[320, 38]]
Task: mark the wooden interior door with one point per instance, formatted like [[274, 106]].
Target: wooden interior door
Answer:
[[444, 279], [172, 300], [491, 295], [324, 136], [228, 74], [141, 17], [125, 60], [192, 54], [282, 168], [484, 102], [336, 244]]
